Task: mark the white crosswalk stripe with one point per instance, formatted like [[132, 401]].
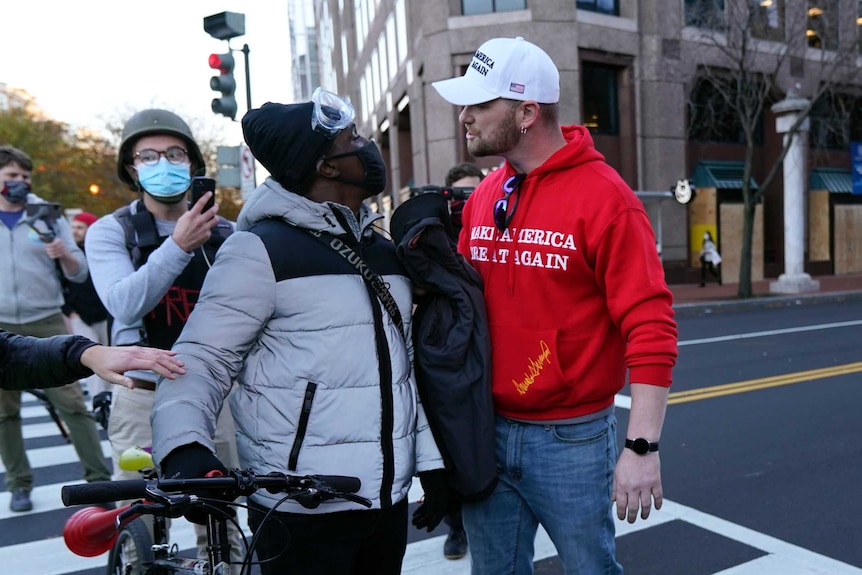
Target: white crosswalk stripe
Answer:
[[48, 554]]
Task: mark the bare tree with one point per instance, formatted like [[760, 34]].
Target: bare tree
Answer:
[[750, 54]]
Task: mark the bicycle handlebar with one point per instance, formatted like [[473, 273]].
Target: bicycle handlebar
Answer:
[[103, 492], [307, 489]]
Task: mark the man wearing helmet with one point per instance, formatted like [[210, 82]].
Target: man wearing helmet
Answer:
[[148, 261]]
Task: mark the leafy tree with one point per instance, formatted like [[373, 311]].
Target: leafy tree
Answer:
[[65, 164], [753, 52]]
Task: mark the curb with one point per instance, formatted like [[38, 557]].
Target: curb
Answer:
[[762, 302]]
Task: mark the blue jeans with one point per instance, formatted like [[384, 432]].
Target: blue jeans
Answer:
[[560, 476]]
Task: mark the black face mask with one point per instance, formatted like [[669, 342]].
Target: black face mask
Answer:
[[375, 169], [16, 191]]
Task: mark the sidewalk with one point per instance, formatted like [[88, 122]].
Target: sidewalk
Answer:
[[691, 299]]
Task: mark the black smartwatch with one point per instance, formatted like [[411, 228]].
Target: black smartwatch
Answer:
[[641, 446]]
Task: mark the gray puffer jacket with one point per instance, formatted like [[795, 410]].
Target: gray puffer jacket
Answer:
[[291, 321]]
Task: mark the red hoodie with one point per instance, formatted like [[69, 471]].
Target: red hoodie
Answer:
[[574, 287]]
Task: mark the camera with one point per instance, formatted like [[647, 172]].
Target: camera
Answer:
[[48, 213], [447, 192]]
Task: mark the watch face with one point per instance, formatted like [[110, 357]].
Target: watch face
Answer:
[[640, 446]]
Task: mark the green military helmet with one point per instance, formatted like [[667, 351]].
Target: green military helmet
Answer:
[[149, 122]]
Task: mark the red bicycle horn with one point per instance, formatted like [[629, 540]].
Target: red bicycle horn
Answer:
[[91, 531]]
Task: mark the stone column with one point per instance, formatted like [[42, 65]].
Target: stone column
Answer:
[[794, 279]]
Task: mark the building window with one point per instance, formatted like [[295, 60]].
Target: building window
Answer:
[[391, 50], [705, 14], [859, 25], [822, 29], [401, 27], [611, 7], [711, 116], [358, 9], [836, 120], [767, 19], [469, 7], [600, 84]]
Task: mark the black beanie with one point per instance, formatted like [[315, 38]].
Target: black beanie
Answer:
[[280, 136]]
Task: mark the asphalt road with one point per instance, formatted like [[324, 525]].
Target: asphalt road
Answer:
[[777, 453], [760, 459]]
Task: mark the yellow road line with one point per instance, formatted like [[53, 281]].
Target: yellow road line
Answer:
[[763, 383]]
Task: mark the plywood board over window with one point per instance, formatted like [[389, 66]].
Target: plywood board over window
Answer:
[[848, 240], [731, 217], [818, 226]]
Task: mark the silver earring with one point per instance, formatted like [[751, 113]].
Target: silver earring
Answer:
[[523, 129]]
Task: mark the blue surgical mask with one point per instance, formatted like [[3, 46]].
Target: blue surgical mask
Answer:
[[165, 181]]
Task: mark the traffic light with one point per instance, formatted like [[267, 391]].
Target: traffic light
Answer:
[[224, 83]]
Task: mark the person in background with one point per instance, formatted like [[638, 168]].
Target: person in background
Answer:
[[31, 298], [462, 175], [148, 261], [34, 362], [88, 317], [710, 259], [576, 297], [318, 308]]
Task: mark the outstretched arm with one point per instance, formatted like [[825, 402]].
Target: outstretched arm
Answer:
[[33, 362], [110, 363]]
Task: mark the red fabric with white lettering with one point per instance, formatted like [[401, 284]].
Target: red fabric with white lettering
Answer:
[[574, 288]]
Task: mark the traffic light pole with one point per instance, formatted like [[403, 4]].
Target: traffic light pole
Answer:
[[224, 26], [245, 51]]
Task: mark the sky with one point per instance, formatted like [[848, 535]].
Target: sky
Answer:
[[88, 62]]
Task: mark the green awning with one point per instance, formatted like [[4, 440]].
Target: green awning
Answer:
[[720, 175], [835, 180]]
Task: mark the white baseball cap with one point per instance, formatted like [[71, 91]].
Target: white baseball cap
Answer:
[[509, 68]]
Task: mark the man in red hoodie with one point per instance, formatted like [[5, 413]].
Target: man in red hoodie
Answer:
[[576, 298]]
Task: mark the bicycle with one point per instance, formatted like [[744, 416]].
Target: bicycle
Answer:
[[92, 531]]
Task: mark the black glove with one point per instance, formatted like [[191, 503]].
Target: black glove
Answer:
[[436, 502], [102, 408], [189, 462]]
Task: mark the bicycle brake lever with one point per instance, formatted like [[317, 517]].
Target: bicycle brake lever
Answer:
[[312, 498], [141, 508], [356, 499]]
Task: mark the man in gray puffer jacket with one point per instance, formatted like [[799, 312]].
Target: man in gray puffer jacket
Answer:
[[293, 310]]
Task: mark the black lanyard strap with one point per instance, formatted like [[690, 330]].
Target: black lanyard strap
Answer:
[[371, 278]]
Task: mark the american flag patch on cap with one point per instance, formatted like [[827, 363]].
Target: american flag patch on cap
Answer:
[[517, 88]]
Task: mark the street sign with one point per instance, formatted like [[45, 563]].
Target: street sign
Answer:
[[227, 158], [856, 166], [246, 172]]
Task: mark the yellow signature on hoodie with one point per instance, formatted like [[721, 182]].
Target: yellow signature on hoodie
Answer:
[[534, 368]]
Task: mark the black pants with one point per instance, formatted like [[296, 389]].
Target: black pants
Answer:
[[715, 270], [343, 543], [453, 520]]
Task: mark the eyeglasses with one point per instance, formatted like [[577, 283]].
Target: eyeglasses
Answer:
[[331, 113], [174, 155], [502, 216]]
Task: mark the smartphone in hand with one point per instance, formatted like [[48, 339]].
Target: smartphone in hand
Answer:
[[200, 186]]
